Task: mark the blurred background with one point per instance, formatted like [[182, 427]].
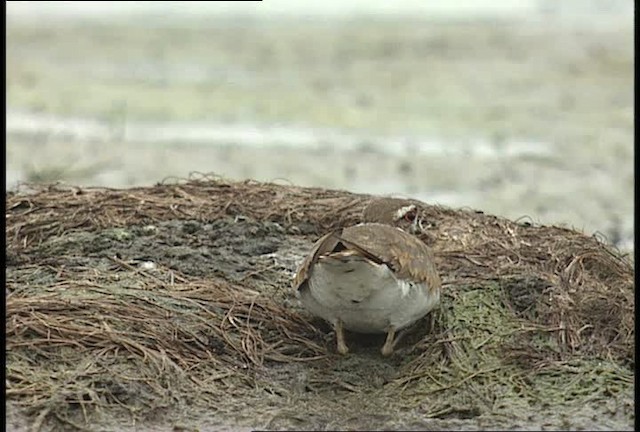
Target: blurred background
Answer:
[[521, 108]]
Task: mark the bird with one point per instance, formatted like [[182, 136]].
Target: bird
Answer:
[[372, 277]]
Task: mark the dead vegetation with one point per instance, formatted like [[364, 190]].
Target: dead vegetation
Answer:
[[531, 314]]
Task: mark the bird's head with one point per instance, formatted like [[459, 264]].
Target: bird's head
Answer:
[[398, 212]]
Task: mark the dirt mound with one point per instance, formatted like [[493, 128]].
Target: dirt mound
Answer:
[[171, 305]]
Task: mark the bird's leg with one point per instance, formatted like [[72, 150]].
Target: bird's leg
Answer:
[[432, 322], [387, 348], [342, 346]]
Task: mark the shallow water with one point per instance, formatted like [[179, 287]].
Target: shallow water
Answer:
[[253, 135]]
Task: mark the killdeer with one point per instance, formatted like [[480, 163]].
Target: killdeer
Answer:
[[369, 278]]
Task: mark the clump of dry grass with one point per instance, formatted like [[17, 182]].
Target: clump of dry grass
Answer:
[[51, 210], [108, 335], [92, 336], [552, 277]]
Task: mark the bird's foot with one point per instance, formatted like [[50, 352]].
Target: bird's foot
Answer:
[[389, 343]]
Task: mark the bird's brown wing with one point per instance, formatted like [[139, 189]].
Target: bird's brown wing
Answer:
[[324, 245], [405, 254]]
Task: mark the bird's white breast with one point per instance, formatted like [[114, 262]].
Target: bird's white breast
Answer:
[[367, 297]]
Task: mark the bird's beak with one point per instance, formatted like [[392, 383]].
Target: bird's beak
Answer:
[[416, 226]]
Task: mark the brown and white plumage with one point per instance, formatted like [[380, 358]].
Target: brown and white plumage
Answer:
[[369, 278]]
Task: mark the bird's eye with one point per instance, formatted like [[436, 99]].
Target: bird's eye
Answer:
[[410, 215]]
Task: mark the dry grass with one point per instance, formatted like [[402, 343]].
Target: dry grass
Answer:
[[106, 335], [55, 209]]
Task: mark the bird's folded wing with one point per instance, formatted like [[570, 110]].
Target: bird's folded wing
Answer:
[[324, 245]]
